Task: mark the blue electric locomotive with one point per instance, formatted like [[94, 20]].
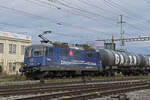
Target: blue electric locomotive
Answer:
[[59, 59], [45, 60]]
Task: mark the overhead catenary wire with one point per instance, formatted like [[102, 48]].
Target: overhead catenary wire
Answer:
[[66, 24], [50, 20], [148, 2], [115, 9], [26, 13], [144, 21], [41, 30], [39, 2], [115, 6], [85, 11], [74, 12], [90, 4], [135, 27], [123, 8], [127, 13], [87, 2]]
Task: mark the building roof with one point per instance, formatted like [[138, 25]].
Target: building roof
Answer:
[[15, 35]]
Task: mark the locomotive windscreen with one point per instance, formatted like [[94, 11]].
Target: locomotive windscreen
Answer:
[[36, 51]]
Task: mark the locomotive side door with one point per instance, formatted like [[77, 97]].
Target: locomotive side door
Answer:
[[50, 56]]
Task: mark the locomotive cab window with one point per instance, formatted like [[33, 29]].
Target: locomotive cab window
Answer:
[[37, 52], [89, 54], [64, 52]]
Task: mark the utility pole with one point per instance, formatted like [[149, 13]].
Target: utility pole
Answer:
[[121, 33], [113, 44]]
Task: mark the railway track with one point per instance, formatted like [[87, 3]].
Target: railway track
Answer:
[[61, 88], [74, 92], [30, 84], [100, 94]]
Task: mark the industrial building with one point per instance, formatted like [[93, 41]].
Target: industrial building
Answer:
[[12, 48]]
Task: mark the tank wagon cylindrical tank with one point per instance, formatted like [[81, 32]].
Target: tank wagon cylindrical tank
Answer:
[[124, 61]]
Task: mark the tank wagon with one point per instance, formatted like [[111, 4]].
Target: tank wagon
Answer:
[[124, 62], [43, 60]]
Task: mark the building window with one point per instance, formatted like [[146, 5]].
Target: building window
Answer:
[[22, 49], [10, 66], [14, 67], [1, 47], [12, 48]]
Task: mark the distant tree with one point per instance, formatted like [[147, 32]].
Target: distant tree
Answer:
[[0, 68]]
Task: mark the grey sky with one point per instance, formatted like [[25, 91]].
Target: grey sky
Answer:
[[78, 21]]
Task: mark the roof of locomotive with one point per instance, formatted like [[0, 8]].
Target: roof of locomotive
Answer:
[[80, 47]]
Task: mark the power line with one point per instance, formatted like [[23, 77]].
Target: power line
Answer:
[[18, 26], [41, 4], [79, 13], [24, 13], [96, 20], [135, 16], [57, 23], [108, 4], [123, 9], [25, 27], [85, 11], [135, 27], [34, 28], [147, 2], [60, 8], [114, 5], [52, 21], [87, 2]]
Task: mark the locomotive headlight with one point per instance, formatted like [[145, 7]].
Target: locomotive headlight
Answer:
[[38, 63], [25, 64]]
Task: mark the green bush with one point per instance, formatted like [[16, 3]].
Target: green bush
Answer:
[[0, 68]]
